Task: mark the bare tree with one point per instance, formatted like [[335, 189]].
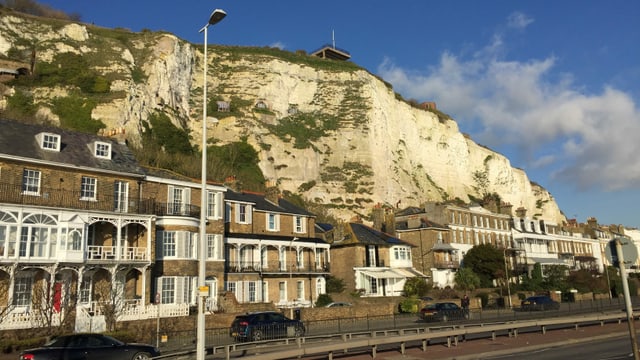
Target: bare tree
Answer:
[[50, 313], [110, 299]]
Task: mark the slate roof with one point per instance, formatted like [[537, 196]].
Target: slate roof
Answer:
[[18, 139], [262, 204], [365, 235]]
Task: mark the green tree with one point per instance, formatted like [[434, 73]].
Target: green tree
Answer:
[[335, 285], [466, 279], [415, 287], [485, 261], [556, 278]]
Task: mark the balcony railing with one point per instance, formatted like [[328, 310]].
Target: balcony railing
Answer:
[[63, 198], [106, 202], [275, 267], [177, 209], [95, 252]]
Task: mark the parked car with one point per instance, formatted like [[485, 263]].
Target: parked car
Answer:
[[338, 304], [90, 346], [443, 311], [539, 302], [265, 325]]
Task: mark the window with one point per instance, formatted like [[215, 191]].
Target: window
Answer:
[[273, 222], [176, 244], [177, 289], [300, 290], [252, 291], [22, 291], [214, 247], [282, 290], [179, 201], [168, 290], [30, 182], [88, 188], [243, 214], [373, 283], [299, 225], [168, 244], [214, 204], [120, 196], [50, 142], [102, 150], [85, 290]]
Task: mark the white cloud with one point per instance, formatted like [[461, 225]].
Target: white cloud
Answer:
[[278, 44], [518, 20], [526, 106]]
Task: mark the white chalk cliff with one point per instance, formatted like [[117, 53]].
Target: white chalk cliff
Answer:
[[370, 147]]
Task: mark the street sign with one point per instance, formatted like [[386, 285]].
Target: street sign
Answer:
[[203, 290], [629, 252]]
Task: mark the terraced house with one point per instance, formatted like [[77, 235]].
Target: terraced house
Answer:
[[85, 230], [271, 250], [75, 227]]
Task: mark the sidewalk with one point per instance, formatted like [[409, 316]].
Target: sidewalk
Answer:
[[475, 349]]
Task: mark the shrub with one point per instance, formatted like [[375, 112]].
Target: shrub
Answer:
[[323, 300]]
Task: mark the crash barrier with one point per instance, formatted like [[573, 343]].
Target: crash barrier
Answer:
[[343, 343]]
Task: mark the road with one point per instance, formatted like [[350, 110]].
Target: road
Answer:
[[610, 349]]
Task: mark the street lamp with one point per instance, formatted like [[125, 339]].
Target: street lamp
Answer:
[[216, 16]]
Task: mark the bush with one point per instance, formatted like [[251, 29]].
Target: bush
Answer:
[[409, 305], [323, 300]]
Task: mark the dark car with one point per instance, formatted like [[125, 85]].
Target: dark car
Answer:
[[539, 302], [443, 311], [90, 346], [265, 325]]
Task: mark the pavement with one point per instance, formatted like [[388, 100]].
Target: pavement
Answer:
[[483, 348]]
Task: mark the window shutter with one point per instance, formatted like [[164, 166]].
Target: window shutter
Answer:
[[187, 198], [179, 290], [219, 203], [245, 292], [249, 214]]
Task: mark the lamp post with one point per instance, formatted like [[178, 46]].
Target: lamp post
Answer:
[[216, 16]]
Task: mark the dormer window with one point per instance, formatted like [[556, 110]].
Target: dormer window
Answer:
[[102, 150], [49, 141]]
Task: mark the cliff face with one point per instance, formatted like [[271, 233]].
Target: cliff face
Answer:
[[361, 145]]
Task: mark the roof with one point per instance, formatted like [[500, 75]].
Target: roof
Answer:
[[261, 203], [366, 235], [18, 139]]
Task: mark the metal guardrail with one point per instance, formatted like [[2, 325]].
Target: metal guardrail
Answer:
[[400, 337]]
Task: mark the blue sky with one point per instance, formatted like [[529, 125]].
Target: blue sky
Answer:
[[552, 85]]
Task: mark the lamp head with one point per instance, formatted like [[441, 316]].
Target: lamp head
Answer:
[[216, 16]]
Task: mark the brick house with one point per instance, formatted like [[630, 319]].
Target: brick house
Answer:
[[371, 262], [75, 228], [271, 251]]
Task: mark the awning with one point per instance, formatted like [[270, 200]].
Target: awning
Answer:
[[443, 246], [383, 274], [393, 273], [545, 261]]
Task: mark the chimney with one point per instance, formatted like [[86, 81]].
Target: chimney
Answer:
[[592, 222], [506, 209], [272, 194], [378, 217], [521, 212]]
